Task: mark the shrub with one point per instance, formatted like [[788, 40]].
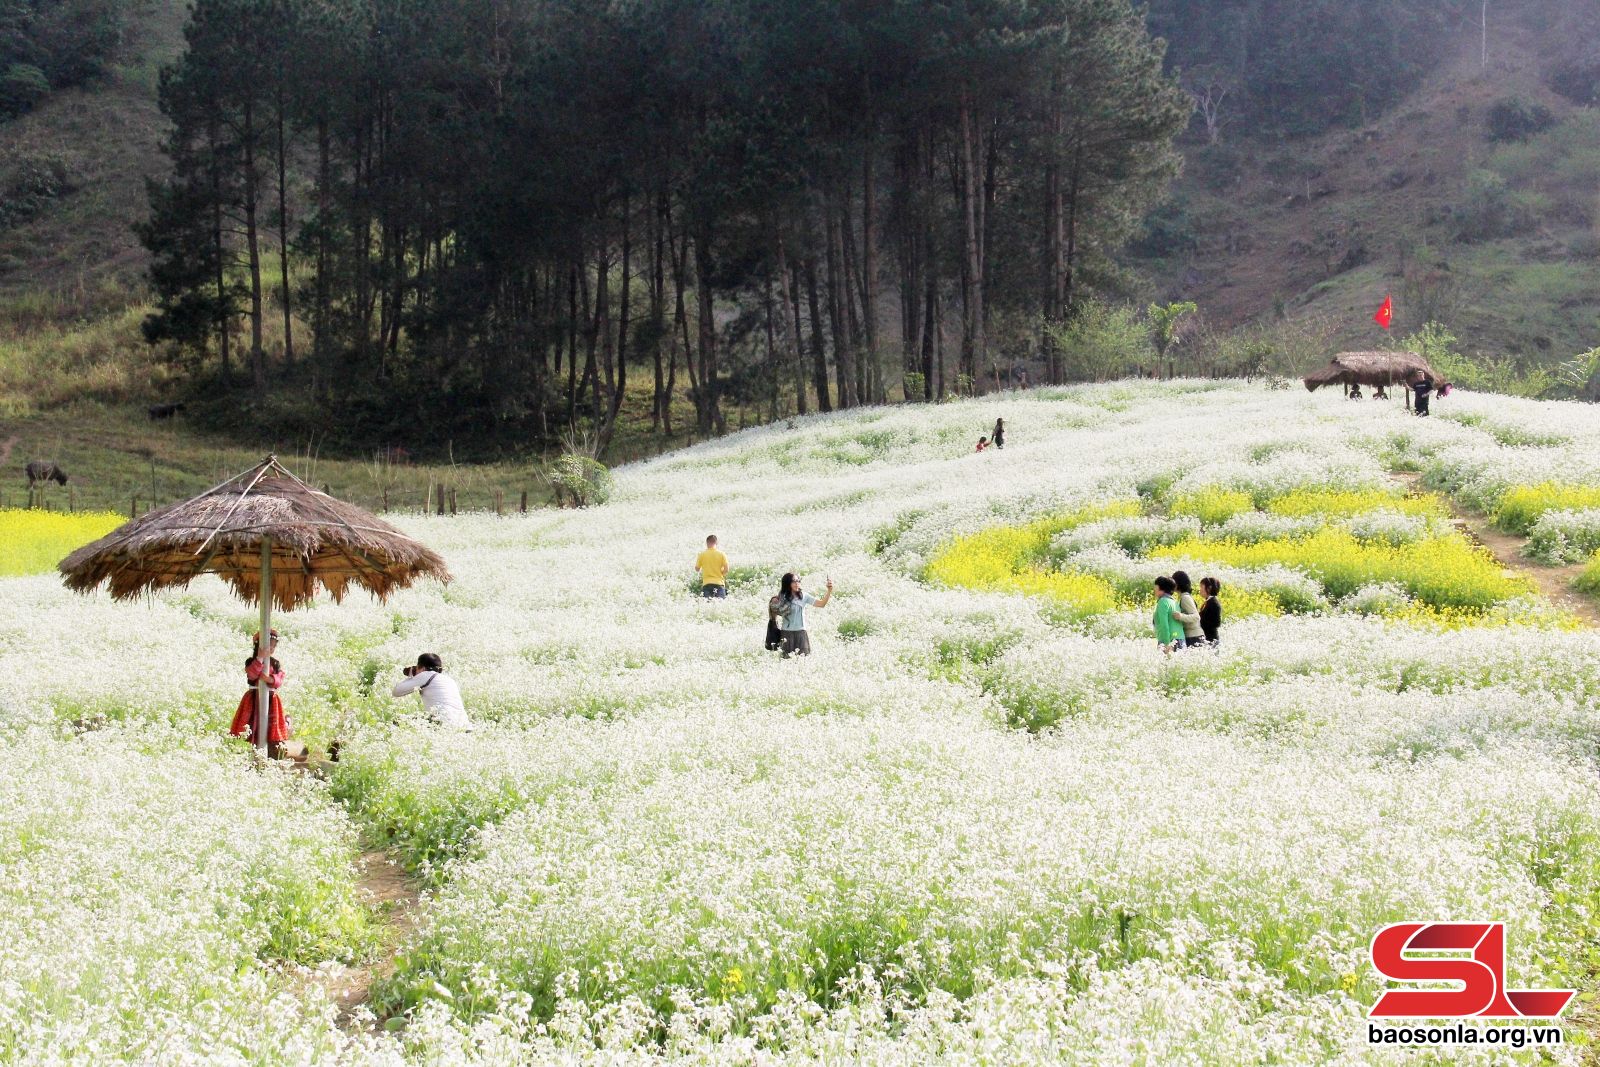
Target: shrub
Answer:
[[1514, 119], [1489, 209], [1101, 341], [21, 87], [1565, 536], [579, 481], [1524, 505], [1213, 505], [1345, 503]]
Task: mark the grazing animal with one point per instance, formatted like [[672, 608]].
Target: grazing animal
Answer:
[[164, 411], [40, 471]]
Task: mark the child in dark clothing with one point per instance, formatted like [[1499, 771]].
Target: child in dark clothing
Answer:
[[1211, 611]]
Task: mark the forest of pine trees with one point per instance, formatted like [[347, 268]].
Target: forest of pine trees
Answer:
[[494, 210]]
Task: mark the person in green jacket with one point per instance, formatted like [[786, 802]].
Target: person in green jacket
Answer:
[[1169, 631]]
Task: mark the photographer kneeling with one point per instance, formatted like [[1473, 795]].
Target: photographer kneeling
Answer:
[[441, 696]]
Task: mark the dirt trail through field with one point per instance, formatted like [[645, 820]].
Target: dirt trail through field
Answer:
[[1553, 583], [395, 896]]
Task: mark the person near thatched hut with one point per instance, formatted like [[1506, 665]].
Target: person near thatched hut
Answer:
[[1422, 388], [244, 720]]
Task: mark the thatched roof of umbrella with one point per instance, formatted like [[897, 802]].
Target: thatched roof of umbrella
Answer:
[[1370, 368], [317, 542]]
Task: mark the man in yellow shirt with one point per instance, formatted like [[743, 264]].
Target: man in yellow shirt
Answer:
[[713, 568]]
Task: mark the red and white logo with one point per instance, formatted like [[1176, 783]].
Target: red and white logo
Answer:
[[1480, 976]]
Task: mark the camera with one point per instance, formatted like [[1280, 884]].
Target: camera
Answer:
[[410, 672]]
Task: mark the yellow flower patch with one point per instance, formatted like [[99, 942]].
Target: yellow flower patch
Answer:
[[33, 542]]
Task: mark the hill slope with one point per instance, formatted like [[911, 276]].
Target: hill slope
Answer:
[[1324, 227]]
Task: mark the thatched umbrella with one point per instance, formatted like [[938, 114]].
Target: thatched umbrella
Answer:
[[1370, 368], [266, 533]]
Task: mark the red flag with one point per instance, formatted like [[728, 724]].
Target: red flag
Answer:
[[1385, 315]]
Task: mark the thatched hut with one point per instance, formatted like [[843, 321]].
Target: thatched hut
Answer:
[[272, 537], [315, 542], [1379, 369]]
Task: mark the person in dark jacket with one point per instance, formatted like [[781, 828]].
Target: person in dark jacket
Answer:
[[1422, 386], [999, 435], [1211, 611]]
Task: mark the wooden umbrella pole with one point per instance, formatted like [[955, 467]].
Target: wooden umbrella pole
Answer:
[[264, 645]]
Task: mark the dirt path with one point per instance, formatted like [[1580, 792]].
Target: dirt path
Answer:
[[1553, 583], [395, 897]]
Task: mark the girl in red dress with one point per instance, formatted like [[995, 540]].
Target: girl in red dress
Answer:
[[244, 720]]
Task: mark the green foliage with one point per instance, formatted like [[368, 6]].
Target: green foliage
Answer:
[[1484, 374], [1522, 506], [34, 182], [54, 44], [1514, 119], [579, 481], [1164, 322], [22, 85], [1101, 341], [1491, 209]]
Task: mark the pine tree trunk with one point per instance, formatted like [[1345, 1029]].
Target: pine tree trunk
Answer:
[[819, 353], [844, 369], [223, 322], [258, 356], [972, 311], [658, 308], [283, 232], [324, 181], [789, 294], [869, 276], [710, 410]]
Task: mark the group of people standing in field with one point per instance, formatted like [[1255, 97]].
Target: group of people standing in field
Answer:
[[786, 612], [1181, 623]]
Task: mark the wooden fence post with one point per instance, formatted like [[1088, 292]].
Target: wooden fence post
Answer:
[[499, 501], [452, 500], [524, 507], [438, 498], [72, 498], [386, 500], [133, 508]]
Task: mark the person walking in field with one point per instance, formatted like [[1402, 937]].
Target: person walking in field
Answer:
[[791, 604], [713, 568], [439, 693], [1169, 631], [999, 435], [983, 443], [1211, 612], [1187, 612], [245, 719]]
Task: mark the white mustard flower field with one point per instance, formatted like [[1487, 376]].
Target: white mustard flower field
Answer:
[[986, 822]]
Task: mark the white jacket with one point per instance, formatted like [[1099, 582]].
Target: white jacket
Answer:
[[441, 698]]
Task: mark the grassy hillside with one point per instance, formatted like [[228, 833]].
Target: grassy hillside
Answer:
[[94, 147], [1498, 240]]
